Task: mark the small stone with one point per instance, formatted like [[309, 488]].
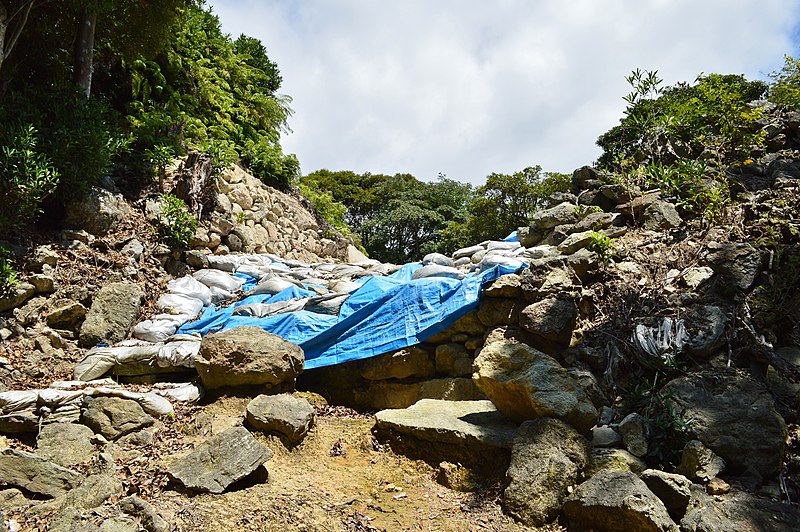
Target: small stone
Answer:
[[44, 284], [634, 432], [605, 436], [145, 513], [717, 486], [456, 477], [288, 416], [35, 474], [66, 444], [673, 490], [66, 314], [114, 417], [700, 463], [41, 256]]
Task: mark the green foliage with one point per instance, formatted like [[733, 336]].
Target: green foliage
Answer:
[[176, 225], [785, 89], [8, 276], [26, 178], [692, 186], [266, 161], [710, 117], [506, 202], [331, 210], [602, 245], [223, 154], [669, 430], [159, 157]]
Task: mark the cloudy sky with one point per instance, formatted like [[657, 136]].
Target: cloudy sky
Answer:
[[471, 87]]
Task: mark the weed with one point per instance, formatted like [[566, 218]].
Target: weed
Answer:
[[603, 246], [176, 224], [8, 276]]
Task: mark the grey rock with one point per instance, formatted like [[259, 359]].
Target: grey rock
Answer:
[[111, 316], [219, 461], [551, 319], [44, 284], [133, 249], [20, 293], [661, 215], [695, 276], [525, 384], [196, 259], [548, 456], [637, 205], [119, 524], [706, 325], [738, 511], [595, 221], [35, 474], [145, 513], [42, 256], [99, 212], [456, 477], [247, 356], [700, 463], [453, 359], [613, 460], [613, 501], [634, 430], [402, 364], [65, 314], [473, 433], [563, 213], [739, 263], [507, 286], [66, 444], [735, 416], [498, 311], [285, 415], [92, 492], [114, 417], [575, 241], [72, 520], [583, 178], [605, 436], [674, 490]]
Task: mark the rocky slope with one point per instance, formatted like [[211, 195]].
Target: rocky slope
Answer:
[[641, 372]]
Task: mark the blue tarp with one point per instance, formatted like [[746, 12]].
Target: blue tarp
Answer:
[[513, 237], [383, 315]]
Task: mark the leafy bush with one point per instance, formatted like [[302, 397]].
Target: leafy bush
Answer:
[[176, 224], [785, 89], [602, 245], [265, 160], [8, 276], [331, 210], [223, 153], [27, 177]]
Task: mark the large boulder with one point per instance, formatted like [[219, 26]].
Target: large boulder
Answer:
[[738, 511], [473, 433], [563, 213], [738, 263], [114, 309], [734, 415], [525, 384], [674, 490], [547, 458], [612, 501], [66, 444], [287, 416], [35, 474], [247, 356], [114, 417], [219, 461], [550, 319], [99, 212]]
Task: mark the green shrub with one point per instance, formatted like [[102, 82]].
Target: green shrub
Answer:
[[176, 224], [691, 185], [8, 276], [603, 246], [265, 160], [27, 177], [331, 210], [223, 153], [785, 89]]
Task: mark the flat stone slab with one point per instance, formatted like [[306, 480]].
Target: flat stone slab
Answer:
[[220, 461], [35, 474], [472, 433]]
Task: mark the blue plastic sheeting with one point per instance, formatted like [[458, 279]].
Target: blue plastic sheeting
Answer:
[[383, 315], [512, 237]]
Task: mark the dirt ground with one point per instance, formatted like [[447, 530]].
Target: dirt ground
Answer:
[[338, 478]]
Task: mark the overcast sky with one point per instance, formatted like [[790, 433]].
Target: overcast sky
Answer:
[[471, 87]]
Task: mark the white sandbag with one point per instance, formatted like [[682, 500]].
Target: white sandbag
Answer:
[[151, 403], [497, 244], [93, 366], [538, 252], [263, 310], [271, 286], [187, 392], [256, 272], [178, 354], [189, 286], [436, 270], [218, 295], [342, 286], [179, 304], [226, 263], [463, 261], [344, 271], [160, 327], [467, 252], [437, 258], [329, 304], [80, 385], [498, 260], [212, 278], [18, 400], [54, 398]]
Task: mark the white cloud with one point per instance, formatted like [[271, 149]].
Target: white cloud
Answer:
[[471, 87]]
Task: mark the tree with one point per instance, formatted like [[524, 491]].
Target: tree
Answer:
[[13, 18]]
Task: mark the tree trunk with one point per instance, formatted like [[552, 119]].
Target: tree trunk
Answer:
[[3, 28], [84, 50], [18, 17]]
